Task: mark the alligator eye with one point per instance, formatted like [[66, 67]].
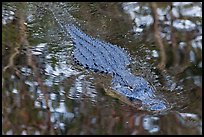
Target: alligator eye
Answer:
[[131, 87]]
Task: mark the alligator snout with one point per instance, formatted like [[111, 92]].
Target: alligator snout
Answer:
[[142, 94], [146, 94]]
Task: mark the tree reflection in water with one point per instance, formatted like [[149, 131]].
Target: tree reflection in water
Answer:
[[44, 92]]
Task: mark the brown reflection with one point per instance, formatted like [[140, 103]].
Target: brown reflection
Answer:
[[157, 31], [19, 113], [171, 53], [180, 123], [173, 39]]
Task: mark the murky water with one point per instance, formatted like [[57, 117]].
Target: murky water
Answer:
[[45, 92]]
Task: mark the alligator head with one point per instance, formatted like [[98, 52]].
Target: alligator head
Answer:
[[138, 92]]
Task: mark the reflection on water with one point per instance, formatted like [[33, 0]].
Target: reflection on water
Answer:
[[44, 92], [149, 123]]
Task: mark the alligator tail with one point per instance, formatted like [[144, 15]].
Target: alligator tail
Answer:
[[61, 15]]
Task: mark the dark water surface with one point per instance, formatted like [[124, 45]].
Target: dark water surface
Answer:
[[45, 92]]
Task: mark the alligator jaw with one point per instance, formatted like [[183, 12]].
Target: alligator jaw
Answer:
[[141, 94]]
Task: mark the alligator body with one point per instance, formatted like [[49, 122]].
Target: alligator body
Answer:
[[102, 56]]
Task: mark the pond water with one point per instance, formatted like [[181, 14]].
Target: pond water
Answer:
[[45, 92]]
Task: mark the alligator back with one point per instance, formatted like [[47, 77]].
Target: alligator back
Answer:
[[96, 54]]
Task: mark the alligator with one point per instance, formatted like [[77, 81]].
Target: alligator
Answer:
[[104, 57], [100, 56]]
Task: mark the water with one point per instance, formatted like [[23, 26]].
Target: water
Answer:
[[50, 94]]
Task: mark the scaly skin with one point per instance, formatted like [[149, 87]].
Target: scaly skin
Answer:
[[104, 57]]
